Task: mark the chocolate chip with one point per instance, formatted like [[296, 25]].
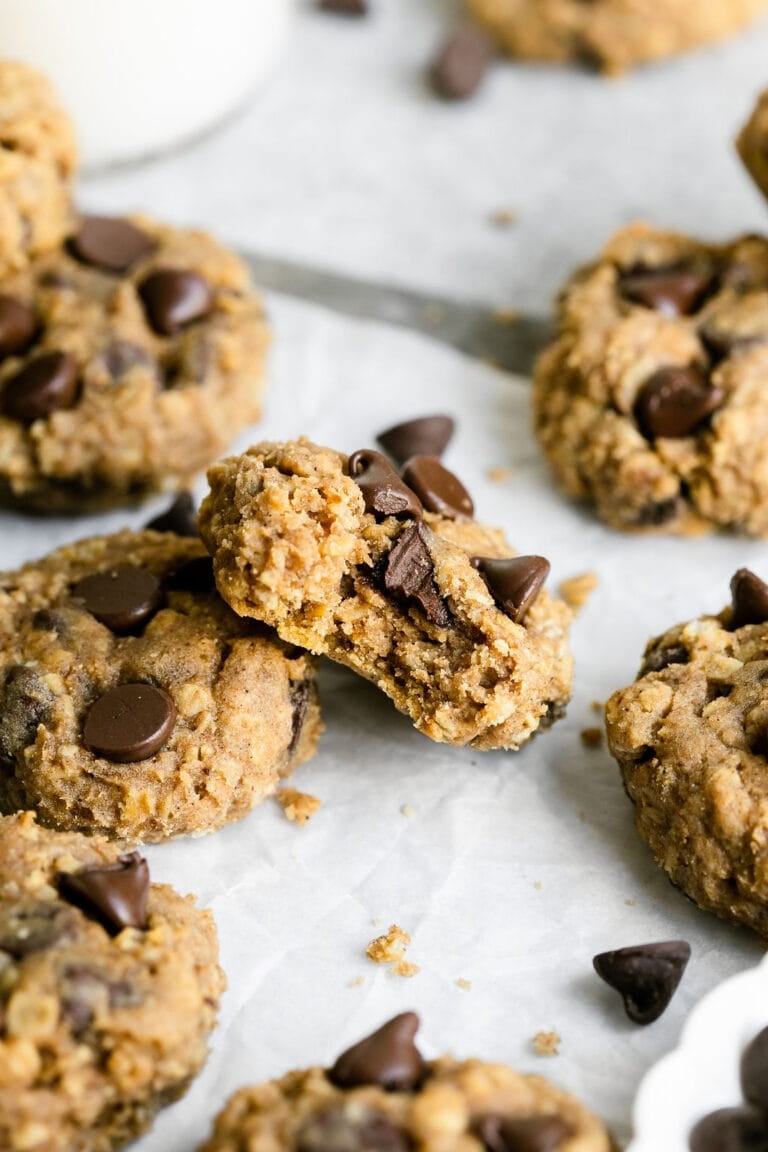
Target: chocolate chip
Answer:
[[83, 991], [110, 242], [194, 576], [661, 658], [658, 513], [130, 722], [179, 517], [33, 927], [437, 488], [26, 702], [122, 598], [113, 894], [462, 63], [409, 575], [646, 976], [424, 436], [49, 620], [514, 583], [44, 385], [749, 599], [18, 326], [523, 1133], [354, 1129], [730, 1130], [675, 401], [121, 356], [754, 1071], [383, 491], [670, 291], [388, 1058], [344, 7], [301, 693], [173, 299]]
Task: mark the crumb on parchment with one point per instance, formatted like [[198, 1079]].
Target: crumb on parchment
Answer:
[[576, 590], [546, 1043], [357, 982], [298, 807], [592, 737], [503, 217], [389, 948], [499, 475], [597, 706], [466, 985], [405, 968], [408, 810], [506, 316]]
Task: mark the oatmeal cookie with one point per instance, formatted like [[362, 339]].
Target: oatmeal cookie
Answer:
[[651, 404], [691, 739], [109, 988], [381, 1096], [129, 359], [342, 557], [134, 702]]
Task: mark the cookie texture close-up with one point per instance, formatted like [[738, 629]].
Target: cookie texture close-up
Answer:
[[651, 404], [109, 989], [130, 358], [355, 568], [382, 1095], [135, 703], [614, 35], [691, 739]]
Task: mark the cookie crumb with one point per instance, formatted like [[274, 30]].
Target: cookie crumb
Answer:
[[356, 983], [597, 706], [506, 316], [389, 948], [546, 1043], [298, 807], [592, 737], [538, 885], [405, 968], [576, 590], [630, 903], [408, 810], [466, 985], [503, 217], [499, 475]]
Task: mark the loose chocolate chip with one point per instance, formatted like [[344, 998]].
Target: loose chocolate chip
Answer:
[[409, 575], [26, 702], [122, 598], [130, 722], [33, 927], [383, 491], [754, 1071], [300, 697], [18, 326], [646, 976], [352, 1129], [514, 583], [661, 658], [437, 488], [424, 436], [670, 291], [110, 243], [194, 576], [113, 894], [344, 7], [173, 298], [388, 1058], [749, 599], [730, 1130], [44, 385], [180, 517], [523, 1133], [462, 63], [675, 401]]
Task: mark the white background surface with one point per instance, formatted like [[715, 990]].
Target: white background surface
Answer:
[[347, 161]]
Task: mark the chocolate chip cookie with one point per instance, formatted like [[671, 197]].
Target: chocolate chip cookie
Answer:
[[613, 35], [382, 1096], [651, 405], [393, 578], [129, 359], [109, 988], [691, 739], [134, 702], [37, 161]]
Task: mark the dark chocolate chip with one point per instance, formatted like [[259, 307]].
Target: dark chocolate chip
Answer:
[[83, 991], [670, 291], [26, 702], [130, 722], [174, 298], [388, 1058], [49, 620], [18, 326], [674, 402], [353, 1129], [110, 242], [46, 384], [301, 693], [462, 63], [514, 583], [121, 356], [122, 598], [754, 1071], [658, 513], [344, 7], [646, 976], [383, 491], [437, 488], [113, 894], [409, 575], [424, 436], [661, 658], [194, 576], [730, 1130], [749, 599], [523, 1133], [180, 517], [33, 927]]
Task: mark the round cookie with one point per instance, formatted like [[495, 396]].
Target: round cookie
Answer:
[[381, 1096], [356, 569], [134, 702], [109, 988], [129, 359], [614, 35], [37, 161], [651, 404], [691, 739]]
